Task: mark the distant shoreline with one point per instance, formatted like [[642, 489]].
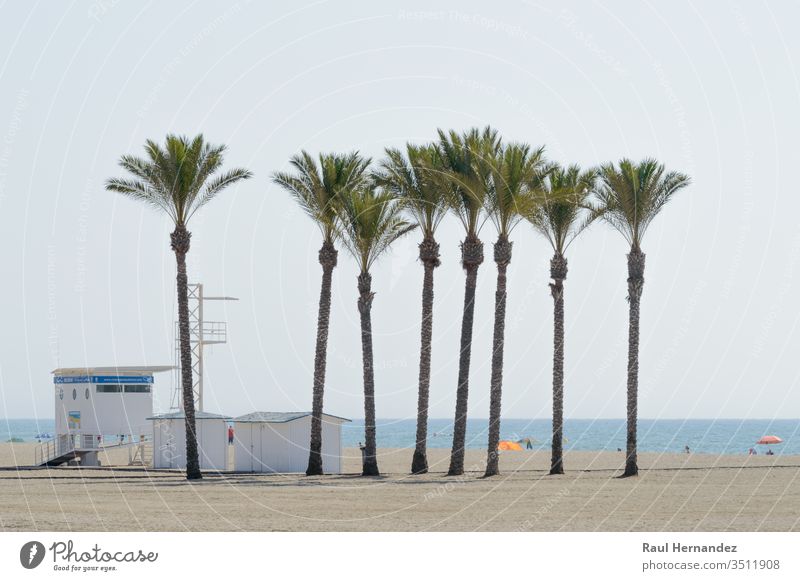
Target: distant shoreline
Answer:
[[727, 436]]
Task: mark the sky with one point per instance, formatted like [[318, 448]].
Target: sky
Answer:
[[708, 88]]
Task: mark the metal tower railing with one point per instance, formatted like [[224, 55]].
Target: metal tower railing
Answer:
[[201, 333]]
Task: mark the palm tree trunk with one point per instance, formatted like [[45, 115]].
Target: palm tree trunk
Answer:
[[635, 287], [181, 240], [429, 256], [327, 258], [502, 256], [370, 466], [471, 259], [558, 272]]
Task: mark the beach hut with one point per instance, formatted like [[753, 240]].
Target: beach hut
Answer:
[[278, 442], [169, 440]]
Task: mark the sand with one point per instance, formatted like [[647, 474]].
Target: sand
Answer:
[[673, 492]]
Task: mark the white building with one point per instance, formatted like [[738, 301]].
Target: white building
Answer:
[[278, 442], [169, 440], [95, 406]]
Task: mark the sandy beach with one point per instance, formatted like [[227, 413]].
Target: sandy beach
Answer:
[[673, 493]]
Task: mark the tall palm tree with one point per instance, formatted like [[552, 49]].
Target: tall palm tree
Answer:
[[317, 189], [370, 222], [412, 179], [510, 197], [629, 197], [179, 179], [559, 217], [466, 159]]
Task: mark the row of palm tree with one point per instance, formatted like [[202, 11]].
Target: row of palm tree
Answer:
[[471, 175]]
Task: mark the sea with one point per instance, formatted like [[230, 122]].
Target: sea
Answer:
[[721, 436]]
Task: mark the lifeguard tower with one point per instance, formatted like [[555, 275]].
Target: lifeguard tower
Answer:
[[97, 408]]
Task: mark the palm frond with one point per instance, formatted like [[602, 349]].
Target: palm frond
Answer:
[[217, 184], [143, 192]]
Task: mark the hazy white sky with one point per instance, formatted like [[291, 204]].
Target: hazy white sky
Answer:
[[710, 88]]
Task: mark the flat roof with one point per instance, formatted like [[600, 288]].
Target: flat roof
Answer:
[[179, 415], [278, 417], [112, 370]]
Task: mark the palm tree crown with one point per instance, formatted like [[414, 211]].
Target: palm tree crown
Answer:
[[414, 179], [369, 222], [513, 192], [565, 193], [316, 187], [178, 177], [631, 195], [467, 159]]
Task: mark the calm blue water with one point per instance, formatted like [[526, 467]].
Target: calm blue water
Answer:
[[25, 429], [709, 436], [705, 436]]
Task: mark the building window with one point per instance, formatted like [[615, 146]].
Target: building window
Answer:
[[87, 393], [109, 389], [137, 389], [60, 393], [74, 393]]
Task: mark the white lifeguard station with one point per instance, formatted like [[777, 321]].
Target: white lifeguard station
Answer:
[[98, 407], [279, 441]]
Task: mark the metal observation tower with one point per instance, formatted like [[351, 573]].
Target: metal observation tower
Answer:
[[201, 333]]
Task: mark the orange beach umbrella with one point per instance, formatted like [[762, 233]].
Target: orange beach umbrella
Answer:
[[507, 445], [770, 440]]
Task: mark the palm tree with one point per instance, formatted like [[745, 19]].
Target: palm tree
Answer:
[[559, 218], [317, 188], [629, 198], [370, 221], [412, 179], [179, 179], [466, 159], [508, 199]]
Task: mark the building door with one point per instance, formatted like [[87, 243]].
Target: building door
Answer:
[[255, 440]]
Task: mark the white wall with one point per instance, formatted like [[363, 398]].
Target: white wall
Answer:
[[102, 413], [283, 447], [169, 444], [331, 447]]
